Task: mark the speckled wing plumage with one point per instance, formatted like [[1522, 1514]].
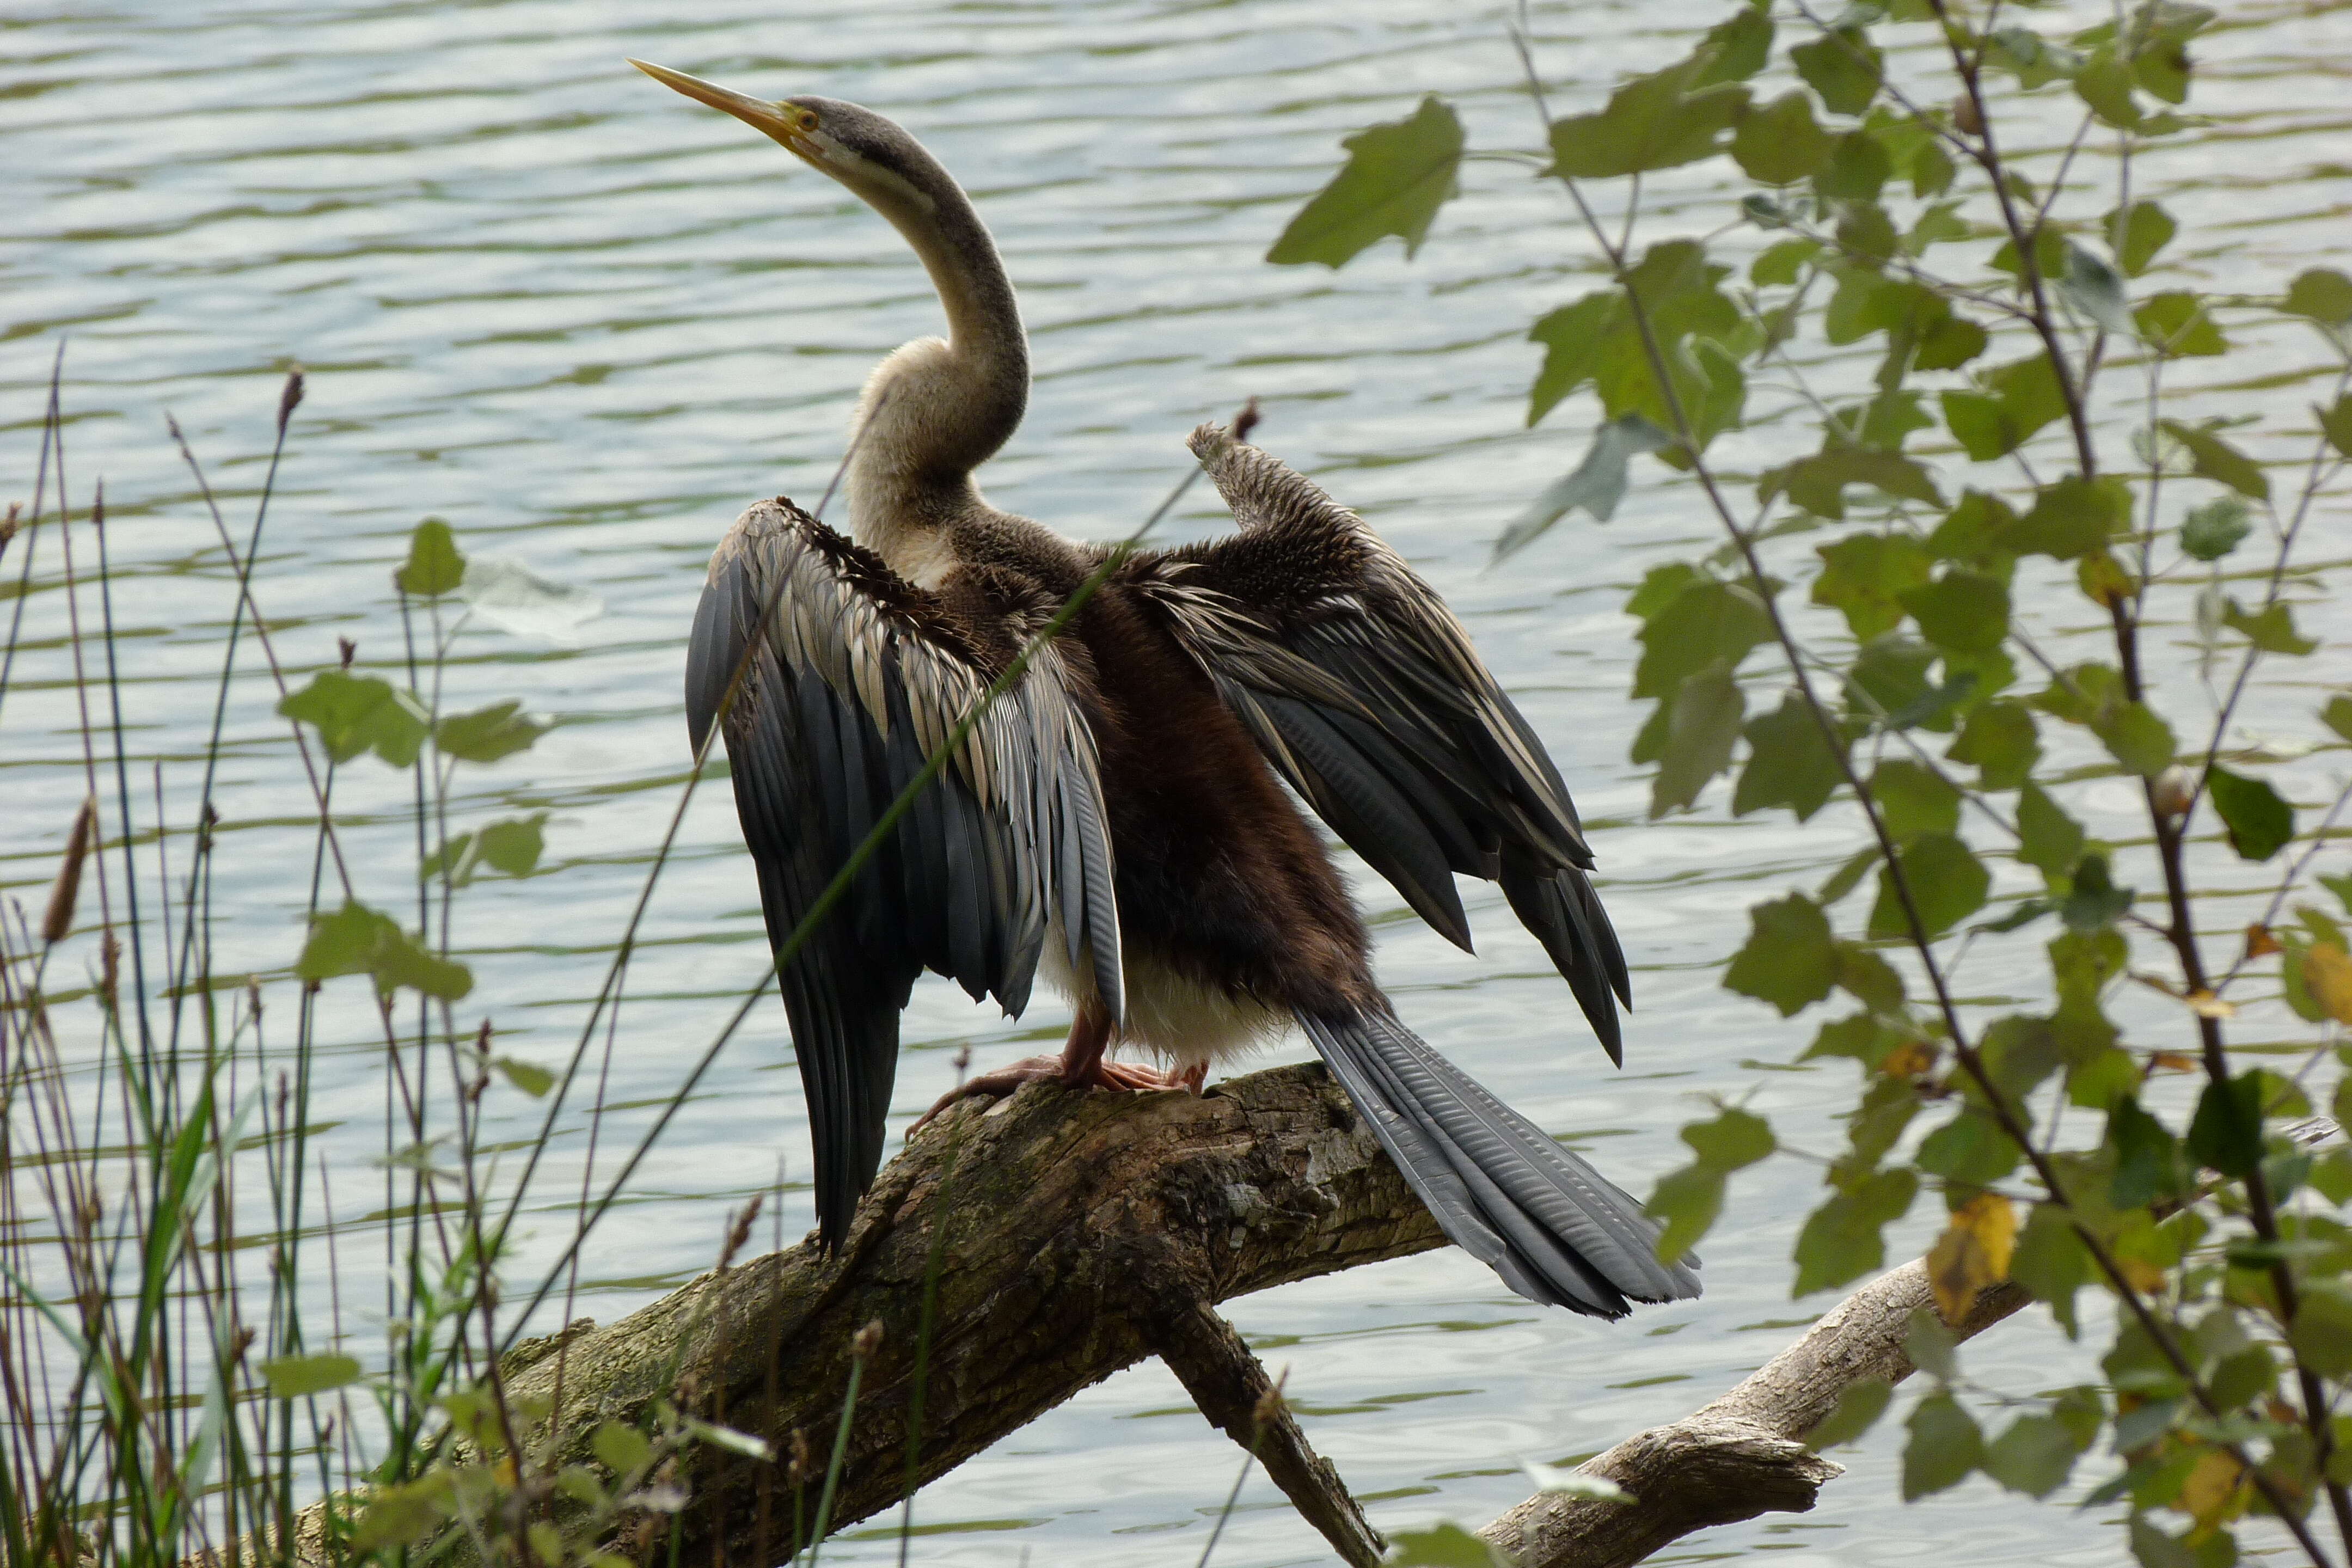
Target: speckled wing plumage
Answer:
[[859, 679], [1364, 692]]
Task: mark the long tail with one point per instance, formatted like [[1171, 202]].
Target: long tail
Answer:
[[1554, 1228]]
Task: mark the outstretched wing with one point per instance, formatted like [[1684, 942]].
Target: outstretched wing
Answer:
[[859, 678], [1363, 690]]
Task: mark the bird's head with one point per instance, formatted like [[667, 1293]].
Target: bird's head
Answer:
[[882, 165]]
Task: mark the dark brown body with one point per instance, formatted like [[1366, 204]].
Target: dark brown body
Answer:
[[1224, 889]]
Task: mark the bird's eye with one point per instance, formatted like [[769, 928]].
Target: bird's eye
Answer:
[[806, 118]]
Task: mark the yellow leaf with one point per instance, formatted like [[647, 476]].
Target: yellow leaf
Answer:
[[2260, 942], [1971, 1254], [2143, 1277], [1909, 1059], [2172, 1061], [2327, 975], [2205, 1005], [2212, 1490]]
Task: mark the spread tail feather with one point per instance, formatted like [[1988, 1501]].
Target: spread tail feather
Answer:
[[1555, 1229]]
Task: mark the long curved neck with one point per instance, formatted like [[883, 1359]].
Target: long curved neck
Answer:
[[934, 411]]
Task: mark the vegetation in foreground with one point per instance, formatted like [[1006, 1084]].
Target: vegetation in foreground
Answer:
[[1880, 627]]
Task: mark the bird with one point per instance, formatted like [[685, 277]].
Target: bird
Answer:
[[1124, 820]]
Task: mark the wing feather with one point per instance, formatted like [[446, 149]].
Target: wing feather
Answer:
[[858, 680], [1363, 692]]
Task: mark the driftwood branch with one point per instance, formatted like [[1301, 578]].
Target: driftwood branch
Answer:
[[1744, 1454]]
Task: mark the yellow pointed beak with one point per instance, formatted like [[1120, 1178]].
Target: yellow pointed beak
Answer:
[[772, 120]]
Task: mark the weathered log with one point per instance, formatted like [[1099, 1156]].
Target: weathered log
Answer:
[[1082, 1233]]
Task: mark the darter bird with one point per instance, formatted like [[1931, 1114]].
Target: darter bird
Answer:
[[1117, 819]]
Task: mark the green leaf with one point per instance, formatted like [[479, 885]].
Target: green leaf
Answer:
[[2033, 59], [1930, 1347], [2320, 294], [1914, 799], [622, 1449], [1945, 1446], [1396, 177], [2074, 517], [356, 940], [2035, 1456], [1842, 1239], [2047, 838], [2153, 1547], [488, 734], [1789, 763], [1734, 1141], [2020, 398], [2336, 423], [2001, 741], [2052, 1262], [1735, 48], [1864, 574], [1817, 482], [296, 1376], [1781, 261], [358, 713], [1963, 610], [529, 1077], [434, 567], [1843, 65], [1857, 170], [1979, 530], [2271, 628], [1970, 1149], [513, 847], [1653, 121], [1441, 1546], [2105, 83], [2260, 824], [2137, 233], [1687, 1204], [1856, 1411], [1947, 883], [2136, 737], [2337, 715], [2094, 289], [2147, 1159], [2322, 1332], [2174, 324], [1788, 960], [2217, 460], [1948, 343], [1701, 729], [1597, 485], [1780, 142], [2093, 901], [1706, 623], [1931, 175], [1597, 339], [2212, 531], [1868, 978], [2226, 1133]]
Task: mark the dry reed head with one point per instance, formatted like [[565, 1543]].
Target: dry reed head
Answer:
[[59, 920]]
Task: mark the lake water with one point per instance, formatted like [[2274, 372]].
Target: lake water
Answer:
[[586, 319]]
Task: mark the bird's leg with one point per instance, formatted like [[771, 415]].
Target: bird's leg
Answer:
[[1083, 1064]]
